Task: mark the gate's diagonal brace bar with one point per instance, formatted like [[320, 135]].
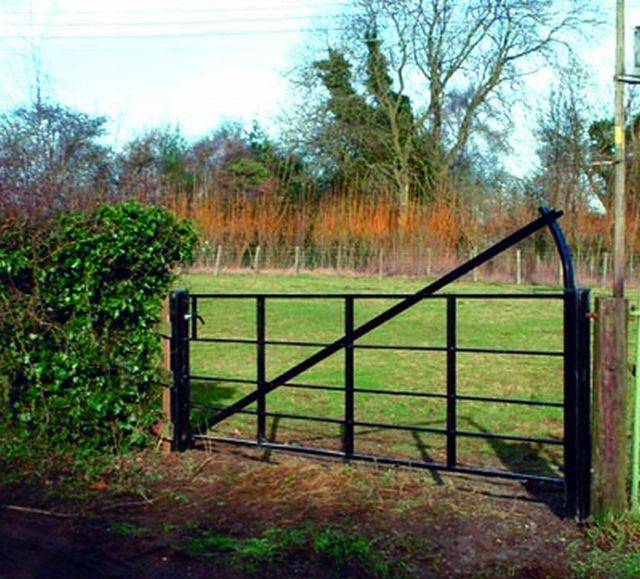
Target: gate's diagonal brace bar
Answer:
[[547, 218]]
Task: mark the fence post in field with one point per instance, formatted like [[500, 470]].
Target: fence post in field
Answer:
[[381, 263], [518, 267], [610, 409], [475, 269], [605, 267], [592, 264], [256, 259], [296, 258], [216, 268], [560, 274], [429, 261]]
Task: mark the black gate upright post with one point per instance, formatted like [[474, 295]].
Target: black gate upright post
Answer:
[[451, 381], [348, 441], [180, 367], [261, 336], [577, 385]]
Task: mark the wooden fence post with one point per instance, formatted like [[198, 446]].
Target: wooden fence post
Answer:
[[296, 264], [611, 406], [560, 274], [429, 261], [605, 266], [216, 268], [381, 263], [518, 267], [475, 269], [256, 259]]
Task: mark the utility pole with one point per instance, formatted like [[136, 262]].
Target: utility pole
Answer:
[[620, 160]]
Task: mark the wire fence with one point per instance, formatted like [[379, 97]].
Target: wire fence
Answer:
[[521, 266]]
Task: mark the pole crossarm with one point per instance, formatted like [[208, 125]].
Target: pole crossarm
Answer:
[[547, 218]]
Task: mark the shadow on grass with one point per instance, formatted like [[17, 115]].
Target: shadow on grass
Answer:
[[526, 458], [207, 399], [273, 432], [426, 457]]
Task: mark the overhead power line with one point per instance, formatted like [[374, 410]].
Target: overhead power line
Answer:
[[167, 22], [263, 7], [203, 34]]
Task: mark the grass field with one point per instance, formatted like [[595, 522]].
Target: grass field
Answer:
[[500, 324]]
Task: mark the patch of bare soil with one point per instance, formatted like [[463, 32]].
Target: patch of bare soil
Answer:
[[434, 525]]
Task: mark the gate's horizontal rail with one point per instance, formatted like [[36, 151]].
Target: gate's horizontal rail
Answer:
[[464, 397], [400, 427], [386, 460], [510, 352], [387, 296]]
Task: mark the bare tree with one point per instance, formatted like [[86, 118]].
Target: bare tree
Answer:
[[565, 176], [459, 61]]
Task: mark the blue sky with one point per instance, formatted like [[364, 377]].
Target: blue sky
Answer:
[[230, 63], [199, 62]]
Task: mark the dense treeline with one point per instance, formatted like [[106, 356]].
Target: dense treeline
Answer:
[[243, 188]]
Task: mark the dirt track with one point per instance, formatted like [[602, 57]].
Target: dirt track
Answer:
[[443, 526]]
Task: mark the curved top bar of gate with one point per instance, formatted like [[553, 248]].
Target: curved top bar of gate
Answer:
[[564, 252]]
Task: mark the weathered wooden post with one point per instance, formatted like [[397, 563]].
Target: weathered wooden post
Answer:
[[518, 267], [381, 263], [474, 273], [560, 275], [256, 259], [296, 257], [216, 269], [611, 404]]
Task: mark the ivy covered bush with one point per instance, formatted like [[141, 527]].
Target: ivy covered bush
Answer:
[[80, 303]]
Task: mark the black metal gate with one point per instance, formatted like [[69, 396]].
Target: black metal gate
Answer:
[[576, 471]]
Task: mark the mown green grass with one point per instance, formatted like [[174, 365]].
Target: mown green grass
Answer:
[[506, 324]]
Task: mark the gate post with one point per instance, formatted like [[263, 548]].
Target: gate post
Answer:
[[179, 312], [611, 405]]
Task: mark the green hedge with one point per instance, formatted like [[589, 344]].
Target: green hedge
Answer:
[[80, 300]]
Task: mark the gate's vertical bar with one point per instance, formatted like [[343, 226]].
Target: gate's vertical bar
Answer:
[[571, 398], [194, 317], [584, 404], [179, 312], [261, 366], [451, 381], [348, 441]]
